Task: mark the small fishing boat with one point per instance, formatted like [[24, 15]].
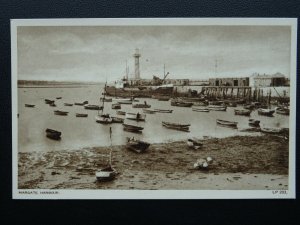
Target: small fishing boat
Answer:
[[176, 126], [81, 115], [121, 112], [242, 112], [282, 110], [29, 105], [200, 109], [249, 106], [52, 104], [163, 98], [116, 106], [227, 123], [48, 101], [163, 110], [58, 97], [217, 108], [106, 99], [137, 145], [132, 128], [61, 113], [81, 103], [141, 105], [136, 116], [181, 104], [93, 107], [195, 144], [53, 134], [106, 174], [117, 119], [265, 112], [123, 100], [68, 104], [149, 111], [104, 119], [254, 123], [271, 130]]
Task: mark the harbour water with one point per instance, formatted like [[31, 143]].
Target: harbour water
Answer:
[[78, 133]]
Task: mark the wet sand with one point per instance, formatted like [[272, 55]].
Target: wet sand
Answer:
[[239, 163]]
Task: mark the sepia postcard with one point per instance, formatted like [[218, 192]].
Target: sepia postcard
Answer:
[[173, 108]]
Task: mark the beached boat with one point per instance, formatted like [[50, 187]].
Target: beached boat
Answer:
[[181, 104], [242, 112], [48, 101], [61, 113], [137, 145], [106, 99], [265, 112], [116, 106], [163, 110], [81, 103], [136, 116], [81, 115], [200, 109], [145, 105], [227, 123], [271, 130], [132, 128], [217, 107], [121, 112], [282, 110], [149, 111], [117, 119], [93, 107], [254, 123], [176, 126], [58, 97], [68, 104], [53, 134], [195, 144], [29, 105]]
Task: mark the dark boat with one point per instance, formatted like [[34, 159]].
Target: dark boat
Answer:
[[93, 107], [117, 119], [176, 126], [29, 105], [195, 144], [181, 104], [52, 104], [81, 115], [200, 109], [60, 113], [81, 103], [68, 104], [254, 123], [106, 99], [48, 101], [242, 112], [283, 111], [141, 105], [132, 128], [53, 134], [149, 111], [116, 106], [58, 97], [227, 123], [265, 112], [163, 110], [121, 113], [137, 145]]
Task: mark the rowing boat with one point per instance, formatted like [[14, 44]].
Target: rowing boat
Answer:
[[227, 123]]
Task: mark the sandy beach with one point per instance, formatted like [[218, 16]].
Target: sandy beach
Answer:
[[239, 163]]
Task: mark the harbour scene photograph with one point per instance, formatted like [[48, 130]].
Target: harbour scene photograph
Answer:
[[154, 106]]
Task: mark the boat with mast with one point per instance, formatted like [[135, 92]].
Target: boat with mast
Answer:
[[103, 118]]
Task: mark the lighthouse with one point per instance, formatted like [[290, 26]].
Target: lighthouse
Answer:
[[137, 56]]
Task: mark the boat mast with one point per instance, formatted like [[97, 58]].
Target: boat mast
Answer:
[[103, 98], [110, 153]]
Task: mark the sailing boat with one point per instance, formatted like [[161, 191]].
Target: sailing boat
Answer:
[[103, 118], [108, 173]]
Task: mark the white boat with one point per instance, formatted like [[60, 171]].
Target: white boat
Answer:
[[136, 116], [104, 119], [200, 109], [123, 100], [217, 107]]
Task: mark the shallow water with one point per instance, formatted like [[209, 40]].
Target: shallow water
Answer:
[[85, 132]]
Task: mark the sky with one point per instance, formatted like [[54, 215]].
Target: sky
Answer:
[[99, 53]]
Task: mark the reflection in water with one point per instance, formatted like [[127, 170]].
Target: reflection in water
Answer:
[[79, 132]]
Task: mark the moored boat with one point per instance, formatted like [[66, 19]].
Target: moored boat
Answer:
[[121, 112], [242, 112], [53, 134], [61, 113], [116, 106], [58, 97], [68, 104], [254, 123], [137, 145], [136, 116], [149, 111], [117, 119], [265, 112], [176, 126], [81, 115], [29, 105], [271, 130], [48, 101], [106, 174], [141, 105], [227, 123], [123, 100], [104, 119], [132, 128], [282, 110], [106, 99], [52, 104], [81, 103], [217, 107], [200, 109], [93, 107], [181, 104]]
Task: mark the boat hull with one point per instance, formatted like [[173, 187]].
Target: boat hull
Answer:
[[134, 116]]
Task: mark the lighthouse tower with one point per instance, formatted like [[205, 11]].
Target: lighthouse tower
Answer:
[[137, 56]]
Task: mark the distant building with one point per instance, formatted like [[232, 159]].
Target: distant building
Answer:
[[199, 82], [264, 80], [177, 82], [235, 81]]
